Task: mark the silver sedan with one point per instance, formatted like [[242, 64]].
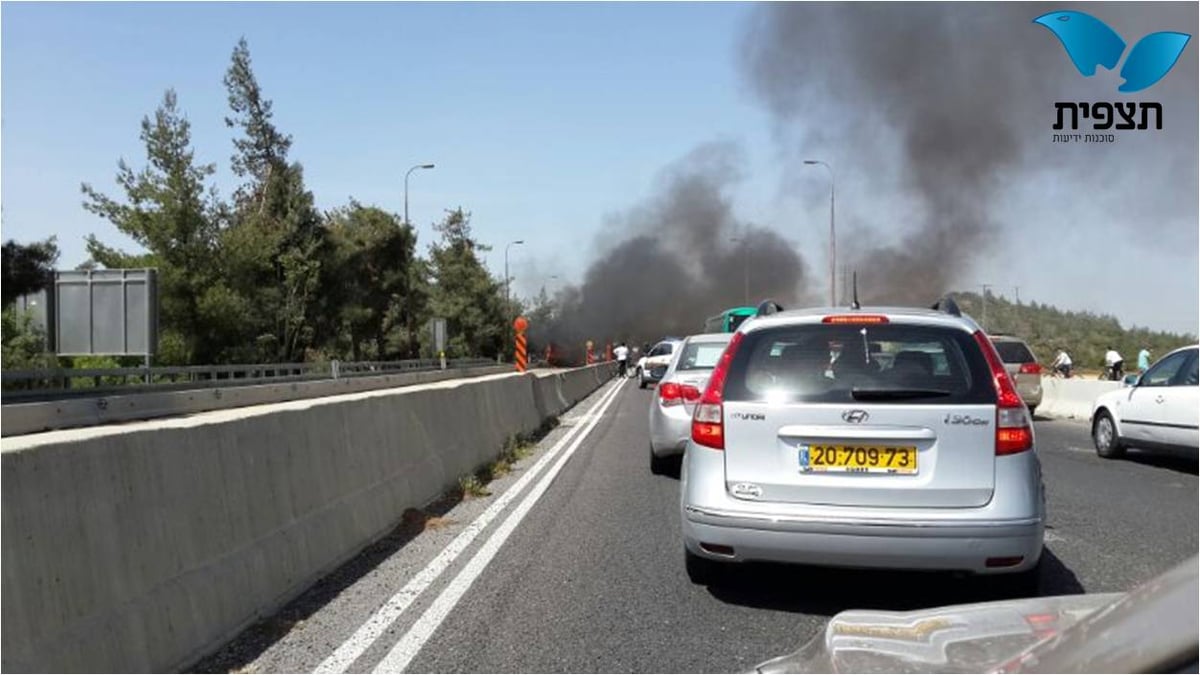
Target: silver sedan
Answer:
[[671, 409]]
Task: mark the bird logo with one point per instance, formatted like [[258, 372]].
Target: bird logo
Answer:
[[1090, 43]]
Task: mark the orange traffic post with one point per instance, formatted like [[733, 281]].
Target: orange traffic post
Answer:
[[608, 351], [519, 325], [589, 353]]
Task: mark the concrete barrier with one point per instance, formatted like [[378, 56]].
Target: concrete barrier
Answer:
[[29, 418], [1073, 398], [145, 546]]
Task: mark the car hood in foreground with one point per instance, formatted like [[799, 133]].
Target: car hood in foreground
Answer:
[[955, 639], [1150, 629]]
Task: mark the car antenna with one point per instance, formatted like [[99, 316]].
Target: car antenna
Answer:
[[854, 303]]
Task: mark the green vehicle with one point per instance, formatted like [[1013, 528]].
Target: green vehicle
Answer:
[[729, 320]]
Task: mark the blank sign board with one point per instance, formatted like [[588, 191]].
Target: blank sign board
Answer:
[[109, 312]]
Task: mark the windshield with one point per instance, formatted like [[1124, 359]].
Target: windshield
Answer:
[[820, 363], [1013, 352], [700, 356]]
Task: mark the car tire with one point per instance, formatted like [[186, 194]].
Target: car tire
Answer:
[[659, 466], [1032, 408], [641, 383], [1104, 436], [702, 571]]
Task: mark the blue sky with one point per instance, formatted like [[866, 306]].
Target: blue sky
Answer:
[[540, 119], [543, 120]]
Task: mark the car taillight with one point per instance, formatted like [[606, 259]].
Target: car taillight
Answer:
[[669, 394], [1013, 430], [708, 427], [855, 318], [689, 393], [1031, 369]]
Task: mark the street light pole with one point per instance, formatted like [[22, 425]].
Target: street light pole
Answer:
[[510, 244], [985, 288], [832, 234], [745, 265], [406, 175]]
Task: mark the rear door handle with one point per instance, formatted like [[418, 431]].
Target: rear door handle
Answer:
[[1158, 399]]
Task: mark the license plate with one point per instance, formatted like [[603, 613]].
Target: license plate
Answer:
[[819, 458]]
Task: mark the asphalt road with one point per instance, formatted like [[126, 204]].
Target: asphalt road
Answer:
[[591, 578]]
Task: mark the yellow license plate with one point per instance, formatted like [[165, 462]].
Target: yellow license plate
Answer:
[[820, 458]]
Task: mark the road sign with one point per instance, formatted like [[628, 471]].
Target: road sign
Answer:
[[105, 312]]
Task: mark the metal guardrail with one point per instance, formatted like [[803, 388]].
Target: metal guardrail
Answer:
[[19, 386]]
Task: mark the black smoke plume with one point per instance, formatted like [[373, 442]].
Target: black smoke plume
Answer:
[[943, 107], [673, 263]]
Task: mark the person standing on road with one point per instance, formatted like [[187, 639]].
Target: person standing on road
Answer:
[[1062, 363], [1143, 360], [1114, 364], [622, 354]]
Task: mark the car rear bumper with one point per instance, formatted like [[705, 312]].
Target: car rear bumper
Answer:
[[959, 539], [1029, 388], [919, 546]]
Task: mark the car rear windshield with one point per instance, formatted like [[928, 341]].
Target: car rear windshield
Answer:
[[1013, 352], [700, 356], [891, 363]]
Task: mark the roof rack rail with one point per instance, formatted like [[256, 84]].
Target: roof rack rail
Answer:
[[767, 307], [946, 304]]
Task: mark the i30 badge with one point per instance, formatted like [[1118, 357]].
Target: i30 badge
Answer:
[[855, 416]]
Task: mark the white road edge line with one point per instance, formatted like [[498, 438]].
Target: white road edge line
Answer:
[[407, 648], [379, 622]]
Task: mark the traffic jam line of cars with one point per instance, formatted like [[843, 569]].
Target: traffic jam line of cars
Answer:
[[903, 438]]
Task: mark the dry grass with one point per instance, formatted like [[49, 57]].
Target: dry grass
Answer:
[[471, 486]]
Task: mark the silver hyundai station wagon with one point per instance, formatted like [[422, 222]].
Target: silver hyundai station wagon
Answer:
[[874, 438]]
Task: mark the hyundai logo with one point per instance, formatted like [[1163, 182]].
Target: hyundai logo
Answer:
[[855, 416]]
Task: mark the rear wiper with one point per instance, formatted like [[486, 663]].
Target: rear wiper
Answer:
[[888, 394]]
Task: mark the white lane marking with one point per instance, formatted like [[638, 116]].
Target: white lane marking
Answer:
[[1050, 537], [407, 648], [358, 643]]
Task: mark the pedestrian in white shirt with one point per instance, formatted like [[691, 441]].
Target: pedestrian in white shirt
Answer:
[[1114, 364], [622, 354], [1062, 363]]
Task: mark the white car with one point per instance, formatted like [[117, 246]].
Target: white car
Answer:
[[671, 410], [1160, 411], [653, 365]]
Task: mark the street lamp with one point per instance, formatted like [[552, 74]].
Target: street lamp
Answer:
[[985, 288], [406, 175], [832, 236], [510, 245], [745, 264]]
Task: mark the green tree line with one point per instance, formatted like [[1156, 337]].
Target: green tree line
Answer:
[[1084, 335], [264, 276]]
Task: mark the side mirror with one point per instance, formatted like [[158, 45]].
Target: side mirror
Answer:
[[1131, 381]]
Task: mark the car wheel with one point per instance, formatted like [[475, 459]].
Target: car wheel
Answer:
[[1031, 409], [702, 571], [659, 466], [1104, 435], [641, 382]]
